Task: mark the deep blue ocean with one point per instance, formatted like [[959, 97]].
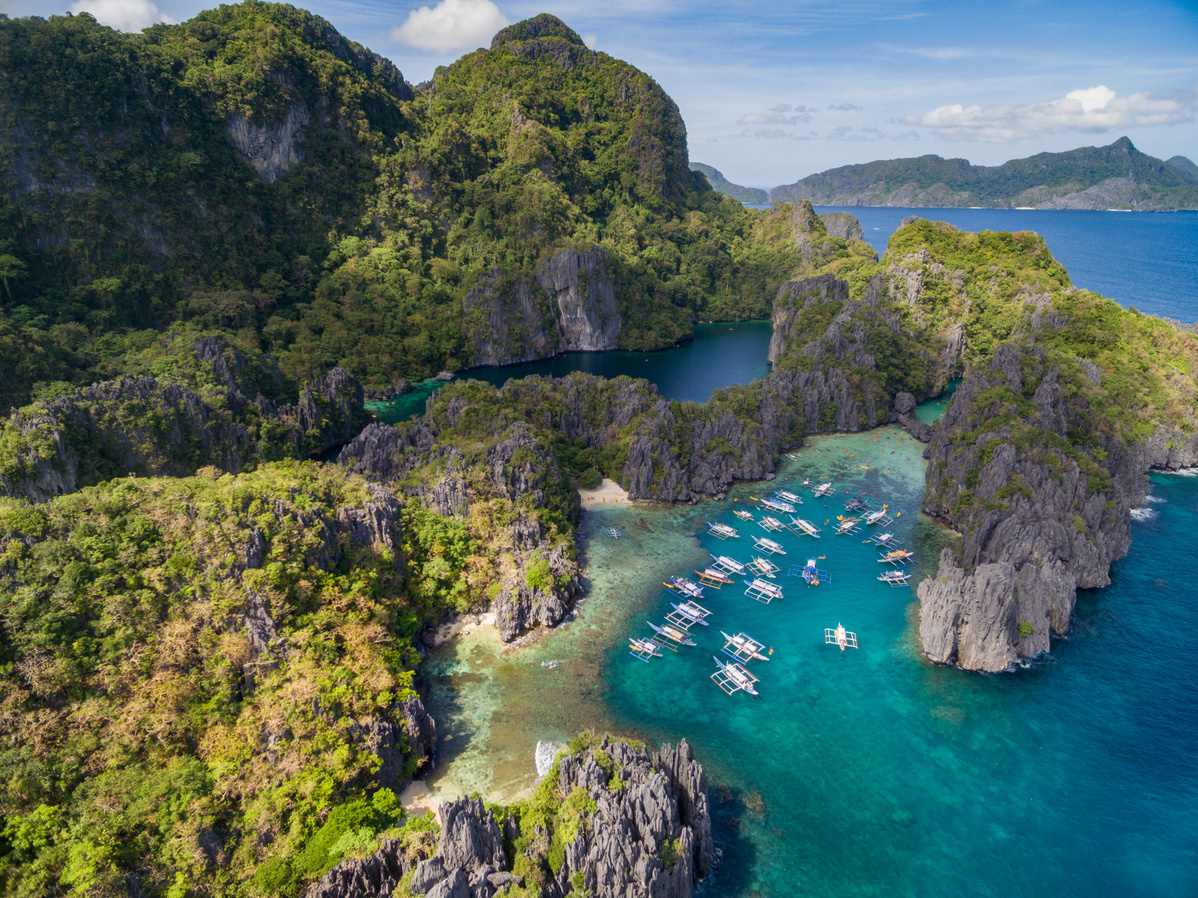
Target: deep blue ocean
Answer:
[[871, 772]]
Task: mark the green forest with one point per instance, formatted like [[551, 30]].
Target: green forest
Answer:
[[129, 203]]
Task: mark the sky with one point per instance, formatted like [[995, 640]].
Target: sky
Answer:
[[771, 93]]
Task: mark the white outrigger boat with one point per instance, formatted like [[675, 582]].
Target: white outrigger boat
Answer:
[[824, 489], [689, 611], [732, 677], [776, 505], [743, 515], [743, 647], [788, 496], [644, 649], [685, 588], [814, 575], [762, 590], [879, 517], [731, 565], [613, 532], [672, 633], [847, 525], [841, 637], [806, 526], [895, 577], [722, 531], [771, 524], [898, 556], [763, 567], [883, 539], [714, 577], [768, 545]]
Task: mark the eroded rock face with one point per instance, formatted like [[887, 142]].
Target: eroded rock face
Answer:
[[570, 305], [1040, 516], [270, 148], [648, 836], [147, 427]]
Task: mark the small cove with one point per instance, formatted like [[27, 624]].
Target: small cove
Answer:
[[873, 772]]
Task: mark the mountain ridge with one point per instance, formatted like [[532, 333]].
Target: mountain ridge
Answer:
[[1117, 176]]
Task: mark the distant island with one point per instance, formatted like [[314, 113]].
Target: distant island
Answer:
[[720, 184], [1113, 177]]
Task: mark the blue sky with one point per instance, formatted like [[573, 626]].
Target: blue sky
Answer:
[[772, 93]]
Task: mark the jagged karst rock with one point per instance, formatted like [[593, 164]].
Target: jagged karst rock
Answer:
[[1036, 525], [146, 426], [842, 224], [648, 836]]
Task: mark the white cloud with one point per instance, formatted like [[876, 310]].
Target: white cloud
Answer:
[[1095, 109], [123, 15], [782, 114], [451, 25]]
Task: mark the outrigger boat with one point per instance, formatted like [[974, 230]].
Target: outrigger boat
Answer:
[[813, 575], [788, 496], [883, 539], [743, 515], [898, 556], [841, 637], [824, 489], [768, 545], [858, 504], [713, 577], [763, 591], [644, 649], [732, 677], [879, 517], [763, 567], [896, 577], [806, 526], [769, 523], [672, 633], [724, 563], [685, 588], [847, 525], [743, 647], [776, 505], [613, 532], [722, 531], [696, 614]]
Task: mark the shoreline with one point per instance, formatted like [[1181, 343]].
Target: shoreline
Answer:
[[608, 493]]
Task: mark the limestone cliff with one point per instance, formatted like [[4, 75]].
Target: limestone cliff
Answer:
[[609, 820], [1040, 514], [539, 580], [569, 306], [148, 426]]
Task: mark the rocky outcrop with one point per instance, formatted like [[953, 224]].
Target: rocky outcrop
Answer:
[[842, 224], [623, 823], [541, 580], [145, 426], [1040, 516], [570, 305], [270, 148], [585, 299]]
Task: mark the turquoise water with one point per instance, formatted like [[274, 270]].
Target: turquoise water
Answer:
[[720, 355], [871, 772]]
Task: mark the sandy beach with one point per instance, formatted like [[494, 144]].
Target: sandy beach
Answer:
[[607, 493]]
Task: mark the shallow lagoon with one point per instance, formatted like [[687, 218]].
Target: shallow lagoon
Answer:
[[870, 772]]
